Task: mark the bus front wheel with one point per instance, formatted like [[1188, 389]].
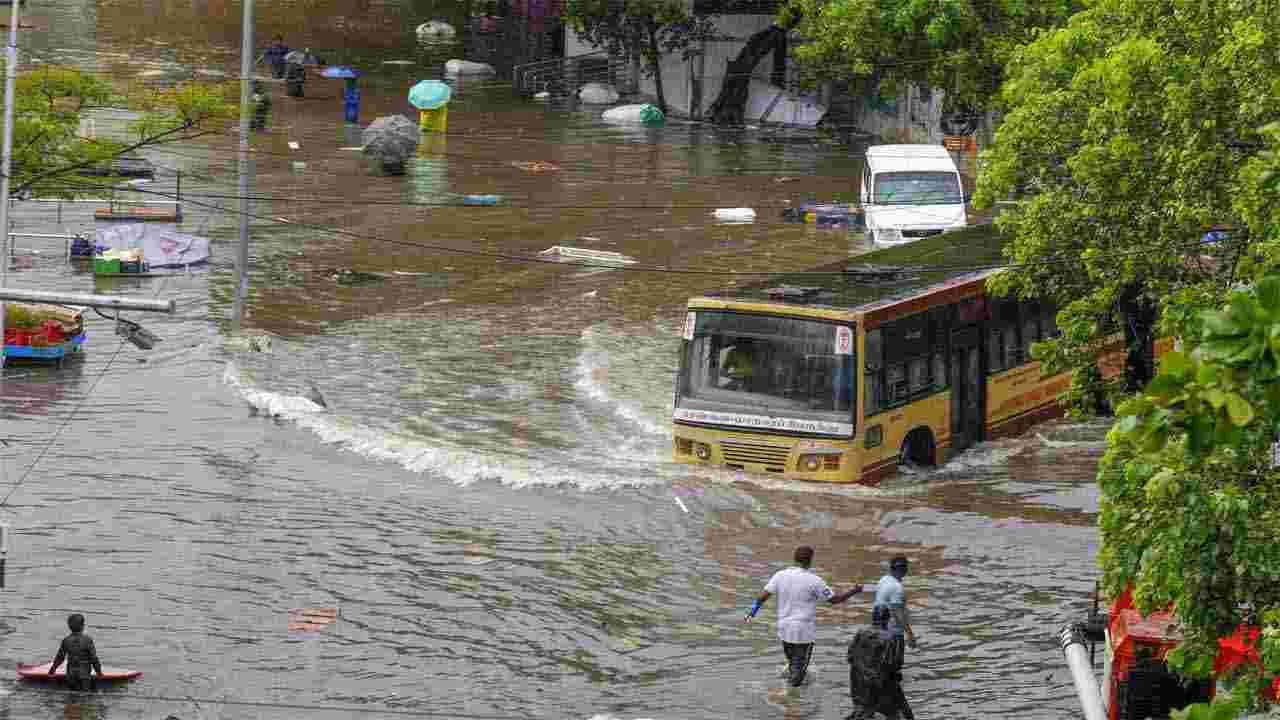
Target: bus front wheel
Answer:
[[917, 449]]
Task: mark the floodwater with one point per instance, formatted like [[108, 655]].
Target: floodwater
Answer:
[[488, 500]]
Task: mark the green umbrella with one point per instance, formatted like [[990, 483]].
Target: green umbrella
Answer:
[[429, 95]]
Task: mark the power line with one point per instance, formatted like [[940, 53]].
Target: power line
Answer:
[[664, 269], [62, 426]]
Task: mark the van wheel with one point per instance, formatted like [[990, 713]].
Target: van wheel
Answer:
[[918, 449]]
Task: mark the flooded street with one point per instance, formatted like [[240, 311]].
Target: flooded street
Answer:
[[489, 500]]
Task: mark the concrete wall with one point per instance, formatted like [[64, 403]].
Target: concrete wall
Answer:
[[914, 116], [686, 96], [691, 86]]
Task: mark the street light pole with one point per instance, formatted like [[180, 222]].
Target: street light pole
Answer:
[[6, 154], [246, 81]]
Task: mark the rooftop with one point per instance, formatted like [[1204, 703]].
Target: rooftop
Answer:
[[912, 158], [882, 276]]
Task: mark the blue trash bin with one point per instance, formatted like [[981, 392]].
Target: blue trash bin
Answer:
[[351, 104]]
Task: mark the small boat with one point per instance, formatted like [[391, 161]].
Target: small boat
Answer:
[[41, 672]]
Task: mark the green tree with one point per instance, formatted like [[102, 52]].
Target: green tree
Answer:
[[1131, 131], [1190, 485], [643, 29], [961, 46], [49, 151]]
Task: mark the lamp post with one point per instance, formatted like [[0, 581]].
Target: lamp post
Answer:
[[246, 80]]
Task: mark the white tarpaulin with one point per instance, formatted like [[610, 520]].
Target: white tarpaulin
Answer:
[[161, 243]]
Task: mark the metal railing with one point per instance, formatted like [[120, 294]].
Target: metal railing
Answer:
[[563, 76]]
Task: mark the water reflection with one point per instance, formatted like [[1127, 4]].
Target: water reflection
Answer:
[[429, 171], [38, 389]]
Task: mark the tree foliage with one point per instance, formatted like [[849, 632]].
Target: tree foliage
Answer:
[[1132, 131], [1191, 499], [1190, 510], [639, 29], [49, 150], [961, 46]]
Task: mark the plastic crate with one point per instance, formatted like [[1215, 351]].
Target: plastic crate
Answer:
[[106, 267]]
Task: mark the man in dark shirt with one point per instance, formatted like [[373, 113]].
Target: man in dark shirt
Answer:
[[875, 671], [274, 55], [78, 650]]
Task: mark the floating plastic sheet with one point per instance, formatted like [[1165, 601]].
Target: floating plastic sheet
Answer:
[[161, 244]]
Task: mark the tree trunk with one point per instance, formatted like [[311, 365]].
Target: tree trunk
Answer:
[[655, 57], [730, 106], [1138, 316]]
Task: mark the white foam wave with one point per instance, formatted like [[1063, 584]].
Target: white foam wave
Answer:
[[1051, 443], [458, 465], [289, 407], [591, 383], [983, 455]]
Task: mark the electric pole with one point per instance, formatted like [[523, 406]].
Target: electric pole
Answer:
[[6, 154], [246, 83]]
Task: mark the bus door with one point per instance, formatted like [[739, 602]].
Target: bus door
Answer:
[[967, 391]]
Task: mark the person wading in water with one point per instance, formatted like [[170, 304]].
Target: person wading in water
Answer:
[[891, 595], [875, 672], [81, 656], [799, 590]]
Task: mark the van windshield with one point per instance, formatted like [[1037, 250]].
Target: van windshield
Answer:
[[917, 188]]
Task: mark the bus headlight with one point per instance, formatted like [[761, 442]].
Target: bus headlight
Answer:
[[819, 461], [702, 450]]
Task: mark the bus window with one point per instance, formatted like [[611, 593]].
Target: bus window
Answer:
[[939, 368], [940, 328], [897, 384], [874, 377], [1030, 330], [995, 354], [1012, 349], [918, 374], [1048, 321]]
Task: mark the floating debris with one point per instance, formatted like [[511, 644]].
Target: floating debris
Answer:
[[311, 619], [563, 253], [735, 215], [536, 166]]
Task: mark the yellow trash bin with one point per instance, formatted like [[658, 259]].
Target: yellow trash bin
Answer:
[[434, 120]]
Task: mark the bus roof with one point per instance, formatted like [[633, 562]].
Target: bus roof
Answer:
[[909, 158], [880, 280]]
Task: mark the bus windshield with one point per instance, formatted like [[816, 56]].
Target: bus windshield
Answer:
[[916, 188], [767, 372]]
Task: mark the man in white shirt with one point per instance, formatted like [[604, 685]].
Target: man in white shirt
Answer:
[[799, 590]]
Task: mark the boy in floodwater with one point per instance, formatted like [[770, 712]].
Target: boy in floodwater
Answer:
[[81, 656]]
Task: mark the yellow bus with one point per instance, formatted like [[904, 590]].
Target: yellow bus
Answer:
[[895, 357]]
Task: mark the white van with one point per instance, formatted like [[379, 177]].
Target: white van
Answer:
[[910, 192]]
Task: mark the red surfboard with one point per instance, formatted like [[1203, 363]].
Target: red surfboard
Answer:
[[41, 672]]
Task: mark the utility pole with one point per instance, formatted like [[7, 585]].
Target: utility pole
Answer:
[[246, 82], [109, 302], [6, 154]]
